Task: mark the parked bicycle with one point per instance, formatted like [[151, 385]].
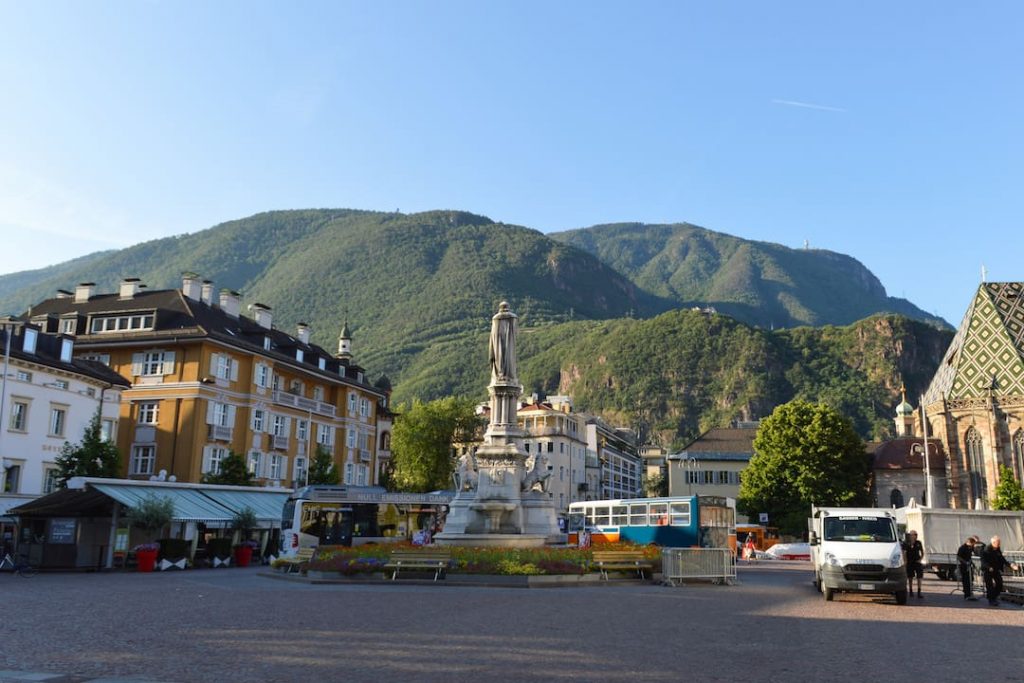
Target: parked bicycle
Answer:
[[19, 567]]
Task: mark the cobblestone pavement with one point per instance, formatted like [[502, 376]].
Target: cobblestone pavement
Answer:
[[236, 625]]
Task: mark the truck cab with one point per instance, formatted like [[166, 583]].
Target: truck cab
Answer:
[[857, 550]]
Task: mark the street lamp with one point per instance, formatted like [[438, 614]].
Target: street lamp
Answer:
[[690, 466]]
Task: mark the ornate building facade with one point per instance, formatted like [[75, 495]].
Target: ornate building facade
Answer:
[[975, 402]]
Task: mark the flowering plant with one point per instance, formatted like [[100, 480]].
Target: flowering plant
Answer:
[[248, 544], [146, 546]]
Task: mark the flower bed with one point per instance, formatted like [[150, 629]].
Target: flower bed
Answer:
[[494, 561]]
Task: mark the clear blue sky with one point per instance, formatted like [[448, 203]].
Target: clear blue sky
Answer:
[[888, 131]]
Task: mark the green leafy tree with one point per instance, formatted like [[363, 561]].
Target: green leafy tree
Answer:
[[421, 443], [93, 457], [322, 469], [656, 486], [804, 454], [151, 515], [1009, 494], [233, 470]]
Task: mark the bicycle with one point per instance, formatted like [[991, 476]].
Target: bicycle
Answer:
[[22, 569]]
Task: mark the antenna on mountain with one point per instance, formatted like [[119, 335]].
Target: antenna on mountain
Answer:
[[807, 245]]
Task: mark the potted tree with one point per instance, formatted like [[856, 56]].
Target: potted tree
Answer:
[[150, 516], [244, 522]]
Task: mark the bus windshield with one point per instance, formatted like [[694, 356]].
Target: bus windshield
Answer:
[[859, 529]]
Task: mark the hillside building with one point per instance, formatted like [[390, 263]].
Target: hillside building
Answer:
[[974, 405], [207, 380], [49, 397]]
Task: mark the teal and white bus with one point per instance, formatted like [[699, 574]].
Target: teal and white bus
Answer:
[[678, 521]]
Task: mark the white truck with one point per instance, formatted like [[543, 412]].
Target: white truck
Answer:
[[856, 550], [942, 531]]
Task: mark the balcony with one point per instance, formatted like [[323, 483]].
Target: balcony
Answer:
[[364, 456], [285, 398], [280, 443], [218, 433]]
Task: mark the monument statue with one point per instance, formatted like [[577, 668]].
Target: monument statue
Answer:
[[538, 473], [465, 474], [503, 344]]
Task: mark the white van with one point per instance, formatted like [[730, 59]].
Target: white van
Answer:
[[857, 550]]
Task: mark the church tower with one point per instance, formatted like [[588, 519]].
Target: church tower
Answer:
[[345, 343], [904, 416]]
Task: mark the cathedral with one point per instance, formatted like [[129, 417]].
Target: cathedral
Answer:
[[974, 405]]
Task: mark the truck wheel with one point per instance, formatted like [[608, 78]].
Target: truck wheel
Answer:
[[831, 593], [901, 597], [942, 574]]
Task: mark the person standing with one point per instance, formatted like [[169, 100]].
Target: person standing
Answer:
[[992, 565], [749, 550], [965, 562], [915, 555]]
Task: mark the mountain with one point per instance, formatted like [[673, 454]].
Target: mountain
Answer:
[[403, 282], [759, 283], [418, 292]]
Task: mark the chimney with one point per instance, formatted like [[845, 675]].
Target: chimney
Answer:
[[129, 288], [262, 315], [206, 296], [84, 292], [303, 333], [64, 294], [230, 302], [190, 286]]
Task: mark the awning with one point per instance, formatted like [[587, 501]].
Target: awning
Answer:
[[190, 505], [266, 505]]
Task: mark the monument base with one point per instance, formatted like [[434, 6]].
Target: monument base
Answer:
[[492, 540]]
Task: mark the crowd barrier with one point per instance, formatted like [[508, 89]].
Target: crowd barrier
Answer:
[[680, 564]]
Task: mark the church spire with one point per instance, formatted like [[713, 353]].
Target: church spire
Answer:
[[345, 342]]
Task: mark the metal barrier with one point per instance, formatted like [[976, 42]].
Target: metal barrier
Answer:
[[716, 564], [1013, 579]]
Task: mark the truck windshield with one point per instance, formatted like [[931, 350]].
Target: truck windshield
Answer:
[[859, 529]]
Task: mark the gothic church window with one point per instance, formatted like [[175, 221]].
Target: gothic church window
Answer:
[[1018, 453], [975, 463]]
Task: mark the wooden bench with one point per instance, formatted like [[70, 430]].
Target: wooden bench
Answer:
[[294, 564], [622, 560], [429, 560]]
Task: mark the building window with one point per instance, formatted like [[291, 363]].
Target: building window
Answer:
[[350, 439], [257, 420], [222, 367], [348, 473], [147, 413], [60, 384], [276, 382], [121, 323], [107, 430], [50, 479], [364, 407], [23, 376], [12, 479], [143, 460], [58, 419], [1018, 453], [215, 458], [361, 473], [68, 325], [262, 375], [302, 430], [19, 416], [103, 358], [153, 363], [28, 342], [551, 447], [324, 435], [300, 469], [352, 404], [318, 393], [280, 425], [976, 464], [275, 466], [220, 414], [256, 464]]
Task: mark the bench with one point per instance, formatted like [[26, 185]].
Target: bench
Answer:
[[429, 560], [622, 560], [294, 564]]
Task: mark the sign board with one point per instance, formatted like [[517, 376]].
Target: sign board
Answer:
[[762, 517], [62, 531]]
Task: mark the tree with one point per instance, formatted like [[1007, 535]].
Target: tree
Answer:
[[1009, 494], [656, 486], [93, 457], [804, 454], [233, 470], [421, 442], [151, 515], [321, 468]]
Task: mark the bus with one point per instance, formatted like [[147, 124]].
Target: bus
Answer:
[[355, 515], [678, 521]]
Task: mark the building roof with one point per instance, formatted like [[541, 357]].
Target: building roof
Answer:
[[723, 440], [179, 318], [987, 352], [907, 454], [47, 354]]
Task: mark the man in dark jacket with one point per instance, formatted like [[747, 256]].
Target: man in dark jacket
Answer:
[[965, 562], [992, 565]]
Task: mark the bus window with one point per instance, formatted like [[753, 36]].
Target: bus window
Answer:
[[620, 516], [602, 516], [638, 515], [659, 514], [680, 514]]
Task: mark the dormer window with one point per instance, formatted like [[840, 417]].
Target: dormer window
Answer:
[[121, 323], [68, 326], [322, 363], [28, 342], [266, 343], [67, 346], [299, 355]]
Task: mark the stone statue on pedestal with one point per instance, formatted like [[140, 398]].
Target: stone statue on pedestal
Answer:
[[503, 345]]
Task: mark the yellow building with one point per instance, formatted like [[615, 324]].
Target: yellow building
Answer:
[[207, 380]]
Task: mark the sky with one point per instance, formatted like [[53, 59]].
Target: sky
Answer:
[[891, 132]]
